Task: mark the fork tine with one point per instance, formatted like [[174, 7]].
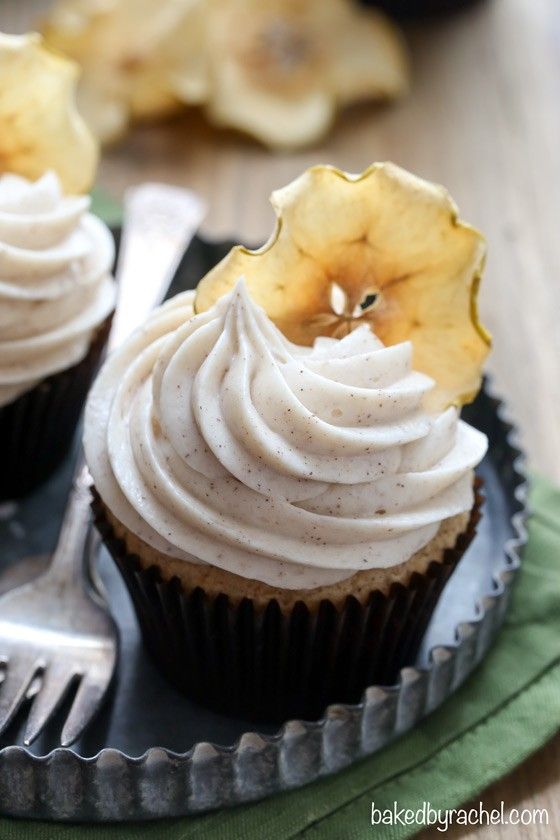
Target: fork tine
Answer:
[[55, 683], [19, 675], [89, 697]]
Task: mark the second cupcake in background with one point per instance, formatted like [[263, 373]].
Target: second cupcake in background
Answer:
[[285, 516], [56, 290], [56, 300]]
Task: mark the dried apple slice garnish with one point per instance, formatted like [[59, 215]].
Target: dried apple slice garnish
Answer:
[[384, 248], [40, 127]]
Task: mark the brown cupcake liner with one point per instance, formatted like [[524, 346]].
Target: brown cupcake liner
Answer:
[[37, 429], [266, 664], [409, 9]]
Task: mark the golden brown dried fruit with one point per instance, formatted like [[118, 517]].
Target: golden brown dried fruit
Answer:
[[276, 69], [279, 69], [383, 247], [131, 52], [40, 127]]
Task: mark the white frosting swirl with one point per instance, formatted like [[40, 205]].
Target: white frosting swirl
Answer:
[[55, 282], [216, 440]]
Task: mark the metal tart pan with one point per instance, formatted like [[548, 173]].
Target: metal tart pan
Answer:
[[153, 753]]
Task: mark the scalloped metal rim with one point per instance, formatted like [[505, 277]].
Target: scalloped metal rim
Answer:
[[160, 783]]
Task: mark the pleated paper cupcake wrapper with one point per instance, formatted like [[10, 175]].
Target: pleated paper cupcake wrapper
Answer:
[[36, 429], [411, 9], [266, 664]]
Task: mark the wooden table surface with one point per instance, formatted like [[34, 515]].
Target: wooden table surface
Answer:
[[483, 118]]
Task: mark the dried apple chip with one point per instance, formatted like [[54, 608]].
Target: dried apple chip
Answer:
[[132, 53], [280, 69], [275, 69], [40, 127], [384, 248]]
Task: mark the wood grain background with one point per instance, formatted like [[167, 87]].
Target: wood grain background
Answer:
[[483, 118]]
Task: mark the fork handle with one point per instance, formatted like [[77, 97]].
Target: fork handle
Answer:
[[68, 557], [160, 221]]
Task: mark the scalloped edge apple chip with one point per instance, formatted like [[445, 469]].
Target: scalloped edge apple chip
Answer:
[[131, 52], [280, 71], [40, 127], [384, 248]]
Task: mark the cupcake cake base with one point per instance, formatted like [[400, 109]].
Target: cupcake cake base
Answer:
[[37, 429], [271, 659]]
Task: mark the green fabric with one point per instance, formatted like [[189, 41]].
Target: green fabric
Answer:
[[106, 207], [506, 710]]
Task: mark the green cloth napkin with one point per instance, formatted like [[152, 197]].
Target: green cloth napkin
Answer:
[[507, 709], [106, 207]]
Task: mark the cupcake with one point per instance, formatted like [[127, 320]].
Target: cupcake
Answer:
[[285, 514], [56, 300]]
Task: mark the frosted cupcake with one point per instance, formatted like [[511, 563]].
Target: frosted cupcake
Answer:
[[285, 515], [56, 300]]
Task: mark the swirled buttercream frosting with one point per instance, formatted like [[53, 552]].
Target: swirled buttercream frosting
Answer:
[[55, 282], [216, 440]]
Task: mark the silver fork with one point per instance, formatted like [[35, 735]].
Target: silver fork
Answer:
[[58, 626]]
